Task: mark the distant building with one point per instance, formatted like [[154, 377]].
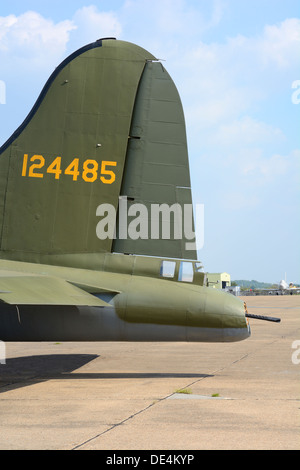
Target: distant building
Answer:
[[235, 290], [218, 280]]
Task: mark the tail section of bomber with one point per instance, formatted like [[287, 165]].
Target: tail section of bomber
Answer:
[[108, 123]]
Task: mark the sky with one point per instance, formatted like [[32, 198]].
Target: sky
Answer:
[[236, 65]]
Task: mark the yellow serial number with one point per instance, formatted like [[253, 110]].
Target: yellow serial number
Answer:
[[89, 171]]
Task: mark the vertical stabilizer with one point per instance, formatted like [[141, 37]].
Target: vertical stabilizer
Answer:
[[108, 123], [68, 156]]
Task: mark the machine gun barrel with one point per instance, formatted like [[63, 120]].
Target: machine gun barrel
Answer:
[[262, 317]]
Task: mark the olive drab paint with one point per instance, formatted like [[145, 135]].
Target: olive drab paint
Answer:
[[107, 126], [69, 154], [109, 122]]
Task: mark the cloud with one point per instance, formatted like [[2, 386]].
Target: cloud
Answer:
[[31, 37], [238, 200], [247, 131], [231, 78], [167, 27], [180, 17], [264, 169], [280, 43], [31, 46], [256, 181], [92, 24]]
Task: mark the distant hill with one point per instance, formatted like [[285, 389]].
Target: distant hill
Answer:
[[252, 284]]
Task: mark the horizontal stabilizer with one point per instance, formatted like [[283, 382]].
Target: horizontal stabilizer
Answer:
[[44, 290]]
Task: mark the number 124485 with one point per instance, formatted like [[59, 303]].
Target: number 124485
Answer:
[[89, 171]]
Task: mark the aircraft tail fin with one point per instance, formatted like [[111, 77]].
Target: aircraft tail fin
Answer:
[[76, 150]]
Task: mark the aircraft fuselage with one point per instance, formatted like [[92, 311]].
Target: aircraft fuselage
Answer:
[[139, 308]]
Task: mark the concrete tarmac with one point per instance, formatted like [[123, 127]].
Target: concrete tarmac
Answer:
[[124, 396]]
